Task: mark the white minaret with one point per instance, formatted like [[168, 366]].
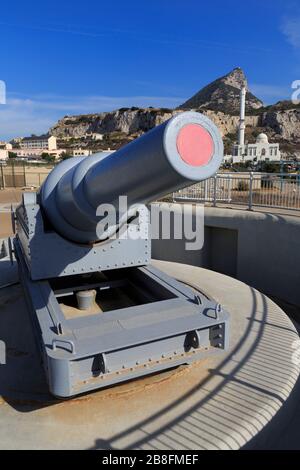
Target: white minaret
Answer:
[[242, 117]]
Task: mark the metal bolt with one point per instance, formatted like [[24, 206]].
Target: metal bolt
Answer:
[[219, 308]]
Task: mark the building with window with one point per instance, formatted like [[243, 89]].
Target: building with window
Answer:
[[262, 150], [3, 155], [4, 150], [42, 142], [28, 153], [259, 151], [81, 152]]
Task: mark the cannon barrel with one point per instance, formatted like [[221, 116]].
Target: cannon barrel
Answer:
[[186, 149]]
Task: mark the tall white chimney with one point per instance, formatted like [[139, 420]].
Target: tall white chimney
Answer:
[[242, 117]]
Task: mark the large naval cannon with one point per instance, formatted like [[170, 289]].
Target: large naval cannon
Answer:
[[102, 314], [182, 151]]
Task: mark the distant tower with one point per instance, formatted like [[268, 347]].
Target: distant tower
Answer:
[[256, 152], [242, 117]]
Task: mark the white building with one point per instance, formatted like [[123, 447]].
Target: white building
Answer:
[[81, 152], [4, 150], [3, 155], [5, 145], [94, 135], [16, 140], [29, 153], [42, 142], [261, 150]]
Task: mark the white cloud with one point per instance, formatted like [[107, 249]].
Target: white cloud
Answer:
[[270, 93], [291, 29], [2, 92], [24, 115]]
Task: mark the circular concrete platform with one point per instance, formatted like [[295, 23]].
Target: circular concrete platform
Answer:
[[240, 398]]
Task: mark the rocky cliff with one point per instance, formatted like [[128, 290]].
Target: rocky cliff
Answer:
[[219, 101], [285, 123], [128, 121], [224, 94]]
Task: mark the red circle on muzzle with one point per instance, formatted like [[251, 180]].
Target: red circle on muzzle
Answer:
[[195, 145]]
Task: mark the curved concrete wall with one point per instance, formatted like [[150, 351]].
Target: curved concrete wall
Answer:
[[261, 249]]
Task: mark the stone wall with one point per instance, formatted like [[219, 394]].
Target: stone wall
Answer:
[[260, 249]]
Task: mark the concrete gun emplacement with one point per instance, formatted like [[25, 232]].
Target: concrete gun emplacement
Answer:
[[102, 313]]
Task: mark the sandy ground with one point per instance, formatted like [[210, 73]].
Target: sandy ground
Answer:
[[10, 196], [5, 225]]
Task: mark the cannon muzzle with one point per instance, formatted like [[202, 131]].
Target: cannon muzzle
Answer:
[[186, 149]]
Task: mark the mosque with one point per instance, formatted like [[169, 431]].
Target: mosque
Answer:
[[262, 150]]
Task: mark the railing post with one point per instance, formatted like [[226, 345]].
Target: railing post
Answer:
[[13, 174], [250, 192], [205, 191], [215, 191], [2, 177], [24, 170]]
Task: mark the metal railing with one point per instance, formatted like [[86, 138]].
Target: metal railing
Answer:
[[21, 175], [274, 190]]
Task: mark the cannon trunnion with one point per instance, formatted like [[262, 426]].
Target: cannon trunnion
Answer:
[[101, 313]]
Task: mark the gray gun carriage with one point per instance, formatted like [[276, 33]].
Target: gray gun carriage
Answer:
[[101, 313]]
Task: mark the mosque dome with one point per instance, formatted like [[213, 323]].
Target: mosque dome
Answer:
[[262, 139]]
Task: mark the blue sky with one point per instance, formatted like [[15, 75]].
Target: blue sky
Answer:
[[63, 57]]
